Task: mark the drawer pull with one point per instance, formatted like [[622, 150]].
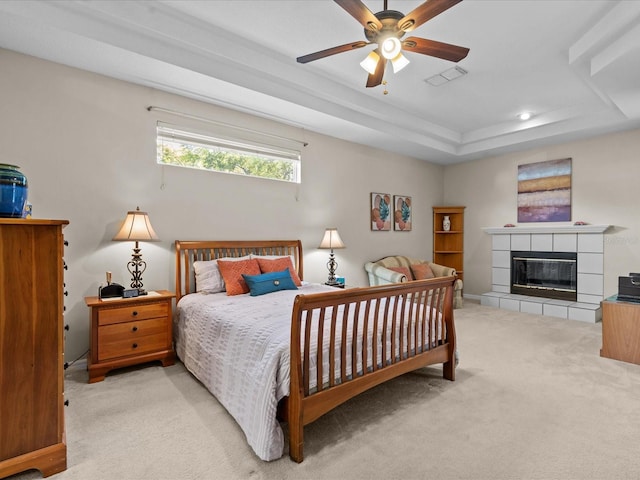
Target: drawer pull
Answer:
[[134, 329], [134, 313], [135, 345]]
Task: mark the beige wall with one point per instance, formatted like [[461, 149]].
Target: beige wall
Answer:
[[87, 146], [605, 182]]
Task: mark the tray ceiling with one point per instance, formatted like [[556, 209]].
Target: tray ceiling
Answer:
[[575, 65]]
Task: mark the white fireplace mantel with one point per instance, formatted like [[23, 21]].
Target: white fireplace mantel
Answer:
[[547, 229]]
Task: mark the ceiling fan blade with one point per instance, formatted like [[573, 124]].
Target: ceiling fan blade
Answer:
[[375, 79], [445, 51], [424, 12], [331, 51], [361, 13]]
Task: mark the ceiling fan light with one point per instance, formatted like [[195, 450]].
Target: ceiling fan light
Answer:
[[370, 63], [399, 62], [390, 48]]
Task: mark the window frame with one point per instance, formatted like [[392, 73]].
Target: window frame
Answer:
[[249, 148]]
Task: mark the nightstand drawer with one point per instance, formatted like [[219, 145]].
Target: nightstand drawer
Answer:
[[132, 338], [109, 316]]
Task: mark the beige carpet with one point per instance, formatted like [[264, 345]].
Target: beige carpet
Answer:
[[532, 400]]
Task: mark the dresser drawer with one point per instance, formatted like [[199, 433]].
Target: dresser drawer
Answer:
[[108, 316], [133, 338]]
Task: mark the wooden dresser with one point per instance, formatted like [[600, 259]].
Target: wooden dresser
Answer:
[[31, 346], [130, 331], [621, 330]]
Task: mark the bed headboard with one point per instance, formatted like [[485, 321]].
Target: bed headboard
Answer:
[[190, 251]]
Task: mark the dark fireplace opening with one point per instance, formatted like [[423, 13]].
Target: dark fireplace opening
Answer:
[[545, 274]]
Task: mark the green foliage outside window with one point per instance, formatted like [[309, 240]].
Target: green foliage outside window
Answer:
[[211, 158]]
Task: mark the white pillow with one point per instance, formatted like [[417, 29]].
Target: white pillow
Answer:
[[208, 276]]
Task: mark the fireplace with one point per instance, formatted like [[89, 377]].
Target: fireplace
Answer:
[[544, 274], [586, 241]]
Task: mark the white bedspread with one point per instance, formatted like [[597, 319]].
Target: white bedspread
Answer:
[[247, 373]]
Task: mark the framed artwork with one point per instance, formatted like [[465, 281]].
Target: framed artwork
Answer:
[[381, 212], [402, 213], [544, 191]]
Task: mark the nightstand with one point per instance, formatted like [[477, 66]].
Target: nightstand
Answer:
[[130, 331]]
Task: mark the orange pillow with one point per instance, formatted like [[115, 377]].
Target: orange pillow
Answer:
[[232, 274], [422, 271], [268, 265], [404, 270]]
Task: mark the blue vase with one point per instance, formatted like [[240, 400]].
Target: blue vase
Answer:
[[13, 191]]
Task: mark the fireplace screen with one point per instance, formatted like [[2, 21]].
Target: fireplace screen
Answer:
[[544, 274]]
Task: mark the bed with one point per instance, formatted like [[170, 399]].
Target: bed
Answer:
[[290, 356]]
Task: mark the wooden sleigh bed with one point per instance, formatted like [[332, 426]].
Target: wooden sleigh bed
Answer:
[[341, 342]]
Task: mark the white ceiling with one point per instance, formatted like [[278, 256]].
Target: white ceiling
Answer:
[[575, 64]]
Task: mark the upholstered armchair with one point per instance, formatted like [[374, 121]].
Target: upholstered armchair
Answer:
[[396, 269]]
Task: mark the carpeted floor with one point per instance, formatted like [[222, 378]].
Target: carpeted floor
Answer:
[[532, 400]]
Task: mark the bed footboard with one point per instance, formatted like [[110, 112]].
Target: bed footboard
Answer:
[[348, 341]]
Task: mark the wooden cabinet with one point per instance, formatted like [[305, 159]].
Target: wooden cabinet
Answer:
[[130, 331], [621, 330], [31, 346], [448, 245]]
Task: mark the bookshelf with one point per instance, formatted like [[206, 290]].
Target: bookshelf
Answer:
[[448, 245]]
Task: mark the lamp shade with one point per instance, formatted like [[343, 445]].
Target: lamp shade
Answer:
[[399, 62], [390, 48], [136, 227], [331, 239], [371, 62]]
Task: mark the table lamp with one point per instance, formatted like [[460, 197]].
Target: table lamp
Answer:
[[136, 227], [330, 241]]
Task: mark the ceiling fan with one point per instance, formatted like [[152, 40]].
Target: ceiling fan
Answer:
[[386, 29]]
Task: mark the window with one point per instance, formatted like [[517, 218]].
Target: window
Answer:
[[177, 146]]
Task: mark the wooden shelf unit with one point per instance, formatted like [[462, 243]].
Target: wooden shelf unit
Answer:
[[448, 246], [31, 346]]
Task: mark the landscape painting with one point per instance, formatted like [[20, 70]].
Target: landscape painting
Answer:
[[544, 191]]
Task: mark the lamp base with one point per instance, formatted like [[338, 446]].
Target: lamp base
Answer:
[[142, 291], [335, 284]]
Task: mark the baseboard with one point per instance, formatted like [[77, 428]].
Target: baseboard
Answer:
[[471, 297]]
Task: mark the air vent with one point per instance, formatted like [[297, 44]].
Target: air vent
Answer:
[[446, 76]]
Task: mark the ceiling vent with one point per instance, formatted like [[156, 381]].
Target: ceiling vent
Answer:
[[446, 76]]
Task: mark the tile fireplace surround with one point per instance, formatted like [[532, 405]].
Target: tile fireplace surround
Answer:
[[586, 240]]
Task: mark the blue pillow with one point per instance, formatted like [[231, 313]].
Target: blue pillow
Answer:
[[269, 282]]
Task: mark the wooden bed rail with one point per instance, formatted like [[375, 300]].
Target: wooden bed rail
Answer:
[[364, 337]]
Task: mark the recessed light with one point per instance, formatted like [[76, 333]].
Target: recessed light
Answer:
[[524, 116]]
